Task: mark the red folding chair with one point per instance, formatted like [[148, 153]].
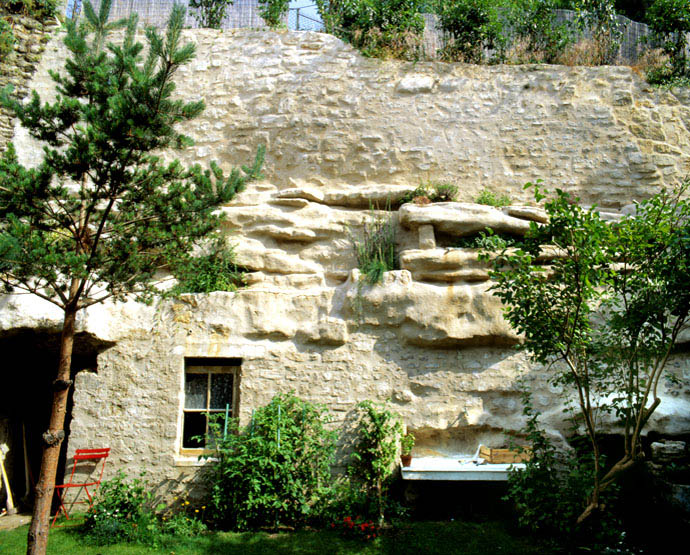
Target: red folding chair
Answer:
[[95, 457]]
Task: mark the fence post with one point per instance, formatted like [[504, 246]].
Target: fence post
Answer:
[[297, 23]]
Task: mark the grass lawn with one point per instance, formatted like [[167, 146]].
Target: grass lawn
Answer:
[[416, 538]]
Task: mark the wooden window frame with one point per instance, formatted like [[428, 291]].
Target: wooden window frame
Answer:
[[208, 367]]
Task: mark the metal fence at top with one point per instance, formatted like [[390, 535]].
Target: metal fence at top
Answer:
[[242, 13], [245, 13]]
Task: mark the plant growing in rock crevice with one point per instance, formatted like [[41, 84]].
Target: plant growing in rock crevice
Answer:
[[377, 251]]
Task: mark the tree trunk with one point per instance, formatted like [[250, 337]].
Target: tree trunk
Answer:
[[52, 440]]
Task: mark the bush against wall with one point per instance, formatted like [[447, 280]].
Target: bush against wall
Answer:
[[375, 453], [380, 28], [275, 471]]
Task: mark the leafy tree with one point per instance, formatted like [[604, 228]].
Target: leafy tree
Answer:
[[210, 13], [273, 11], [604, 314], [100, 215], [670, 21]]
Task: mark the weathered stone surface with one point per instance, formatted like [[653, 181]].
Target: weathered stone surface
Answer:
[[431, 337], [527, 213], [461, 218], [495, 127], [448, 265], [668, 451]]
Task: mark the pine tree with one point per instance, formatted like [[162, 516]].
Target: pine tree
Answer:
[[102, 214]]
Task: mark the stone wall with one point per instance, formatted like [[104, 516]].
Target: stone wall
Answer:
[[18, 67], [330, 117], [345, 133]]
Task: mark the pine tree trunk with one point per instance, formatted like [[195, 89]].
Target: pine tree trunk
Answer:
[[52, 440]]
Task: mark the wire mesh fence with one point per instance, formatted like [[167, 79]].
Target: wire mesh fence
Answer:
[[245, 13], [242, 13]]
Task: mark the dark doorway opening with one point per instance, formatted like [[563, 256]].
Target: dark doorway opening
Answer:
[[29, 365]]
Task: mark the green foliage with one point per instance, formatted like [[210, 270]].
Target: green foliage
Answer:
[[670, 22], [377, 252], [604, 315], [212, 272], [123, 511], [39, 9], [433, 192], [548, 493], [210, 13], [273, 472], [490, 198], [407, 443], [535, 22], [375, 451], [471, 27], [273, 11], [380, 28], [6, 38], [600, 17], [118, 510], [130, 213]]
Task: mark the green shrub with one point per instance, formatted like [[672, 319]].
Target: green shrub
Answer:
[[6, 38], [275, 471], [471, 27], [670, 22], [273, 11], [547, 494], [534, 21], [375, 453], [379, 28], [118, 510], [213, 272], [39, 9], [377, 252], [210, 13], [491, 199]]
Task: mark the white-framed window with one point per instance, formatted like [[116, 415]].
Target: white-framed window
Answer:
[[211, 386]]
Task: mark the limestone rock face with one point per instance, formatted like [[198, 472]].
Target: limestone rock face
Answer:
[[347, 138], [461, 218]]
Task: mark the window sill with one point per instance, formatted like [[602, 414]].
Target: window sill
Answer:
[[190, 458]]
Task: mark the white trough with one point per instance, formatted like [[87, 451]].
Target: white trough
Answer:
[[457, 469]]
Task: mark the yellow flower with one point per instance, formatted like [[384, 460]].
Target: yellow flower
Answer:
[[186, 502], [196, 510], [203, 506]]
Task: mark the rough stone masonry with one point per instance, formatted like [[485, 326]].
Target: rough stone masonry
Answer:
[[344, 136]]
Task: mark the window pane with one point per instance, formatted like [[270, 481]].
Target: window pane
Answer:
[[221, 391], [194, 425], [195, 391]]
